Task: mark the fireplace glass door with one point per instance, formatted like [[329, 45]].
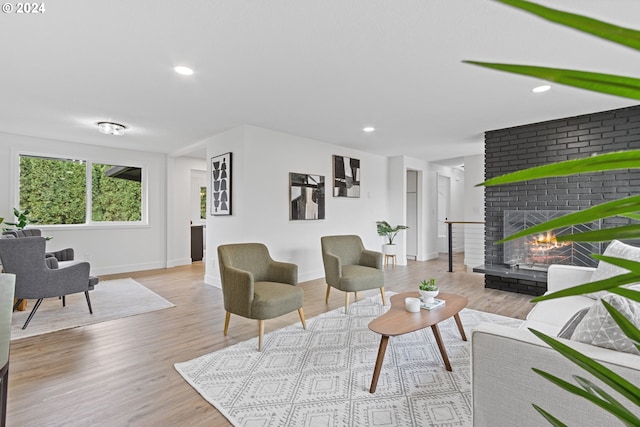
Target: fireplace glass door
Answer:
[[538, 251]]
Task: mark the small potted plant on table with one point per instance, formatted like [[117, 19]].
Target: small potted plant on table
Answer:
[[428, 290]]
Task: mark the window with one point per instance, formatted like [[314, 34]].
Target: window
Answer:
[[203, 202], [56, 191]]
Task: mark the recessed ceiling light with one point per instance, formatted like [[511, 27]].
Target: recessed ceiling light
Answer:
[[110, 128], [540, 89], [185, 71], [369, 129]]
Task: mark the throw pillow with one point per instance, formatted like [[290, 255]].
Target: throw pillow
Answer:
[[570, 326], [605, 270], [598, 327]]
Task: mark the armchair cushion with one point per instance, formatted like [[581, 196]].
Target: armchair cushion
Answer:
[[272, 299], [360, 278]]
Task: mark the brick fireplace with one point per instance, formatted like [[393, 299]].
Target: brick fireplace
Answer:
[[512, 149]]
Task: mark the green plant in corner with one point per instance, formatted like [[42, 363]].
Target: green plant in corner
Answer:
[[386, 230], [624, 86], [22, 219]]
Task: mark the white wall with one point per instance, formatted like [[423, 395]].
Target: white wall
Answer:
[[110, 249], [262, 161]]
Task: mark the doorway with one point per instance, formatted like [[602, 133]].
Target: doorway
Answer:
[[444, 205], [412, 215]]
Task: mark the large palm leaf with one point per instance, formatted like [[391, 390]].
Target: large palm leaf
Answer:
[[628, 87]]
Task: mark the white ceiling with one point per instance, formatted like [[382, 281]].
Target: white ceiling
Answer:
[[318, 69]]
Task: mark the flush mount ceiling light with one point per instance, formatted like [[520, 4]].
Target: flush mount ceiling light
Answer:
[[540, 89], [110, 128], [181, 69], [369, 129]]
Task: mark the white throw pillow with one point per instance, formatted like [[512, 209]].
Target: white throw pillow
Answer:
[[616, 249], [598, 327]]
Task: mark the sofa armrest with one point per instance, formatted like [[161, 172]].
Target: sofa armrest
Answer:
[[504, 386], [566, 276]]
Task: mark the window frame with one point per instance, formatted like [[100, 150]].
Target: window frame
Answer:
[[89, 161]]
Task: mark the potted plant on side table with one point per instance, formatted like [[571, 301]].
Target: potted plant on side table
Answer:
[[389, 232]]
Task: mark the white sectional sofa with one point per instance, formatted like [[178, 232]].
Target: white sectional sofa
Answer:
[[503, 384]]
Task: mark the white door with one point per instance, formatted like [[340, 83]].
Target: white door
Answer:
[[444, 190], [412, 215]]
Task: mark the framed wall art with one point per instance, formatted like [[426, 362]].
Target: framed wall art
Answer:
[[346, 177], [221, 184], [306, 196]]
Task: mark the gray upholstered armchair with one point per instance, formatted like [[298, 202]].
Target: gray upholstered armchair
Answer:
[[62, 255], [257, 287], [38, 277], [349, 267]]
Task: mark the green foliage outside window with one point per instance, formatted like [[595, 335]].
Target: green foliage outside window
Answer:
[[203, 202], [114, 199], [55, 190]]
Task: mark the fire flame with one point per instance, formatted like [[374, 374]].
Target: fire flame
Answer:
[[548, 240]]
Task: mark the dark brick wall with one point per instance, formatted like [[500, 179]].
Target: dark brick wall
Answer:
[[512, 149]]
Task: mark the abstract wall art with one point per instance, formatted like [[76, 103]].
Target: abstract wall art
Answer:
[[221, 184], [346, 177], [306, 196]]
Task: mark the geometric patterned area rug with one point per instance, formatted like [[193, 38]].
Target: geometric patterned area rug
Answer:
[[110, 299], [321, 376]]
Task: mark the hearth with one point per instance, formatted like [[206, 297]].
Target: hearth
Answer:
[[538, 251]]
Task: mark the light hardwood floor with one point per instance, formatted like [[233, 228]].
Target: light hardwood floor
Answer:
[[120, 373]]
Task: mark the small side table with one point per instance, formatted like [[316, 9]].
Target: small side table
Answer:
[[387, 257]]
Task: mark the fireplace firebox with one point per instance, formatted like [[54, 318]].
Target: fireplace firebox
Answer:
[[538, 251]]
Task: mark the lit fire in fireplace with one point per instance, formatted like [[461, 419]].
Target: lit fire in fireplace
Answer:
[[546, 241]]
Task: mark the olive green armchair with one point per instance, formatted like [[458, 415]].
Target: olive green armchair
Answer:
[[349, 267], [257, 287]]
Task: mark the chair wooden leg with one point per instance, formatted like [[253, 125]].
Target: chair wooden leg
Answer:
[[326, 298], [384, 302], [226, 322], [301, 313], [260, 333], [346, 302], [86, 295], [35, 307], [18, 303]]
